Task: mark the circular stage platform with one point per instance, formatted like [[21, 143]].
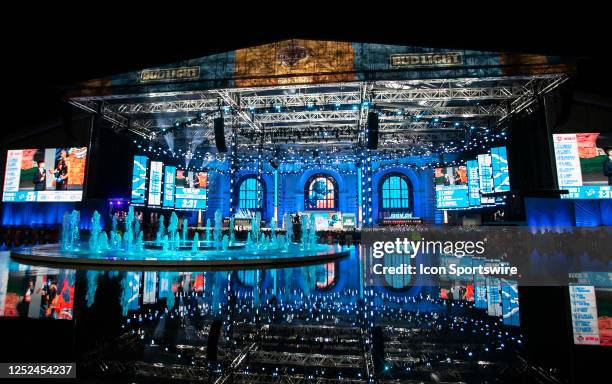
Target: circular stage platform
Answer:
[[53, 256], [186, 245]]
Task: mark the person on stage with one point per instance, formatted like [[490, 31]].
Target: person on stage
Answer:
[[40, 177], [61, 172], [607, 165]]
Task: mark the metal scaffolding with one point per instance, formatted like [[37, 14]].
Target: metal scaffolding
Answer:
[[418, 111]]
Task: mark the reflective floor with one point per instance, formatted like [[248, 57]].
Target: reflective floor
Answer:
[[322, 323]]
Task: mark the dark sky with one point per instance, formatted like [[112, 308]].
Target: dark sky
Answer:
[[46, 53]]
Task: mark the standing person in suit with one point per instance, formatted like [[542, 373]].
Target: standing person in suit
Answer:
[[607, 165], [40, 177]]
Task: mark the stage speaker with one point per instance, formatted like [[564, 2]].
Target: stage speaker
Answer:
[[372, 142], [220, 134], [213, 340]]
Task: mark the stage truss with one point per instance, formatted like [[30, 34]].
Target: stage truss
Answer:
[[428, 115]]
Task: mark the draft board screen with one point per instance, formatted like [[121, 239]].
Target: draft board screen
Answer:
[[584, 168], [591, 308]]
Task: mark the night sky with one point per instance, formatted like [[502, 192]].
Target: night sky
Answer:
[[45, 53]]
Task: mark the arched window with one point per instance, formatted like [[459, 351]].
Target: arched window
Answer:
[[395, 195], [250, 194], [321, 193]]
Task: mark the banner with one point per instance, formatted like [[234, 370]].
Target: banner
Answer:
[[139, 178], [155, 183], [169, 182], [494, 297], [473, 183], [510, 302], [499, 163]]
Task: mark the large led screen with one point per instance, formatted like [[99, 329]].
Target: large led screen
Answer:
[[451, 187], [155, 183], [191, 190], [45, 175], [499, 165], [591, 308], [169, 180], [475, 185], [584, 168], [139, 180]]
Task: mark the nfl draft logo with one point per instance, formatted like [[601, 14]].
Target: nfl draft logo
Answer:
[[291, 54]]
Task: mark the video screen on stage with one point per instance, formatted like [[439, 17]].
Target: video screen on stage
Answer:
[[191, 190], [475, 185], [584, 164], [45, 175], [451, 187], [591, 308]]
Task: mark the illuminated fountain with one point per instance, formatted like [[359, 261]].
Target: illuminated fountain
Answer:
[[256, 228], [225, 243], [196, 243], [128, 237], [218, 229], [70, 231], [102, 242], [139, 242], [161, 230], [288, 230], [273, 238], [185, 224], [127, 247], [96, 230], [232, 226], [249, 243], [207, 238]]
